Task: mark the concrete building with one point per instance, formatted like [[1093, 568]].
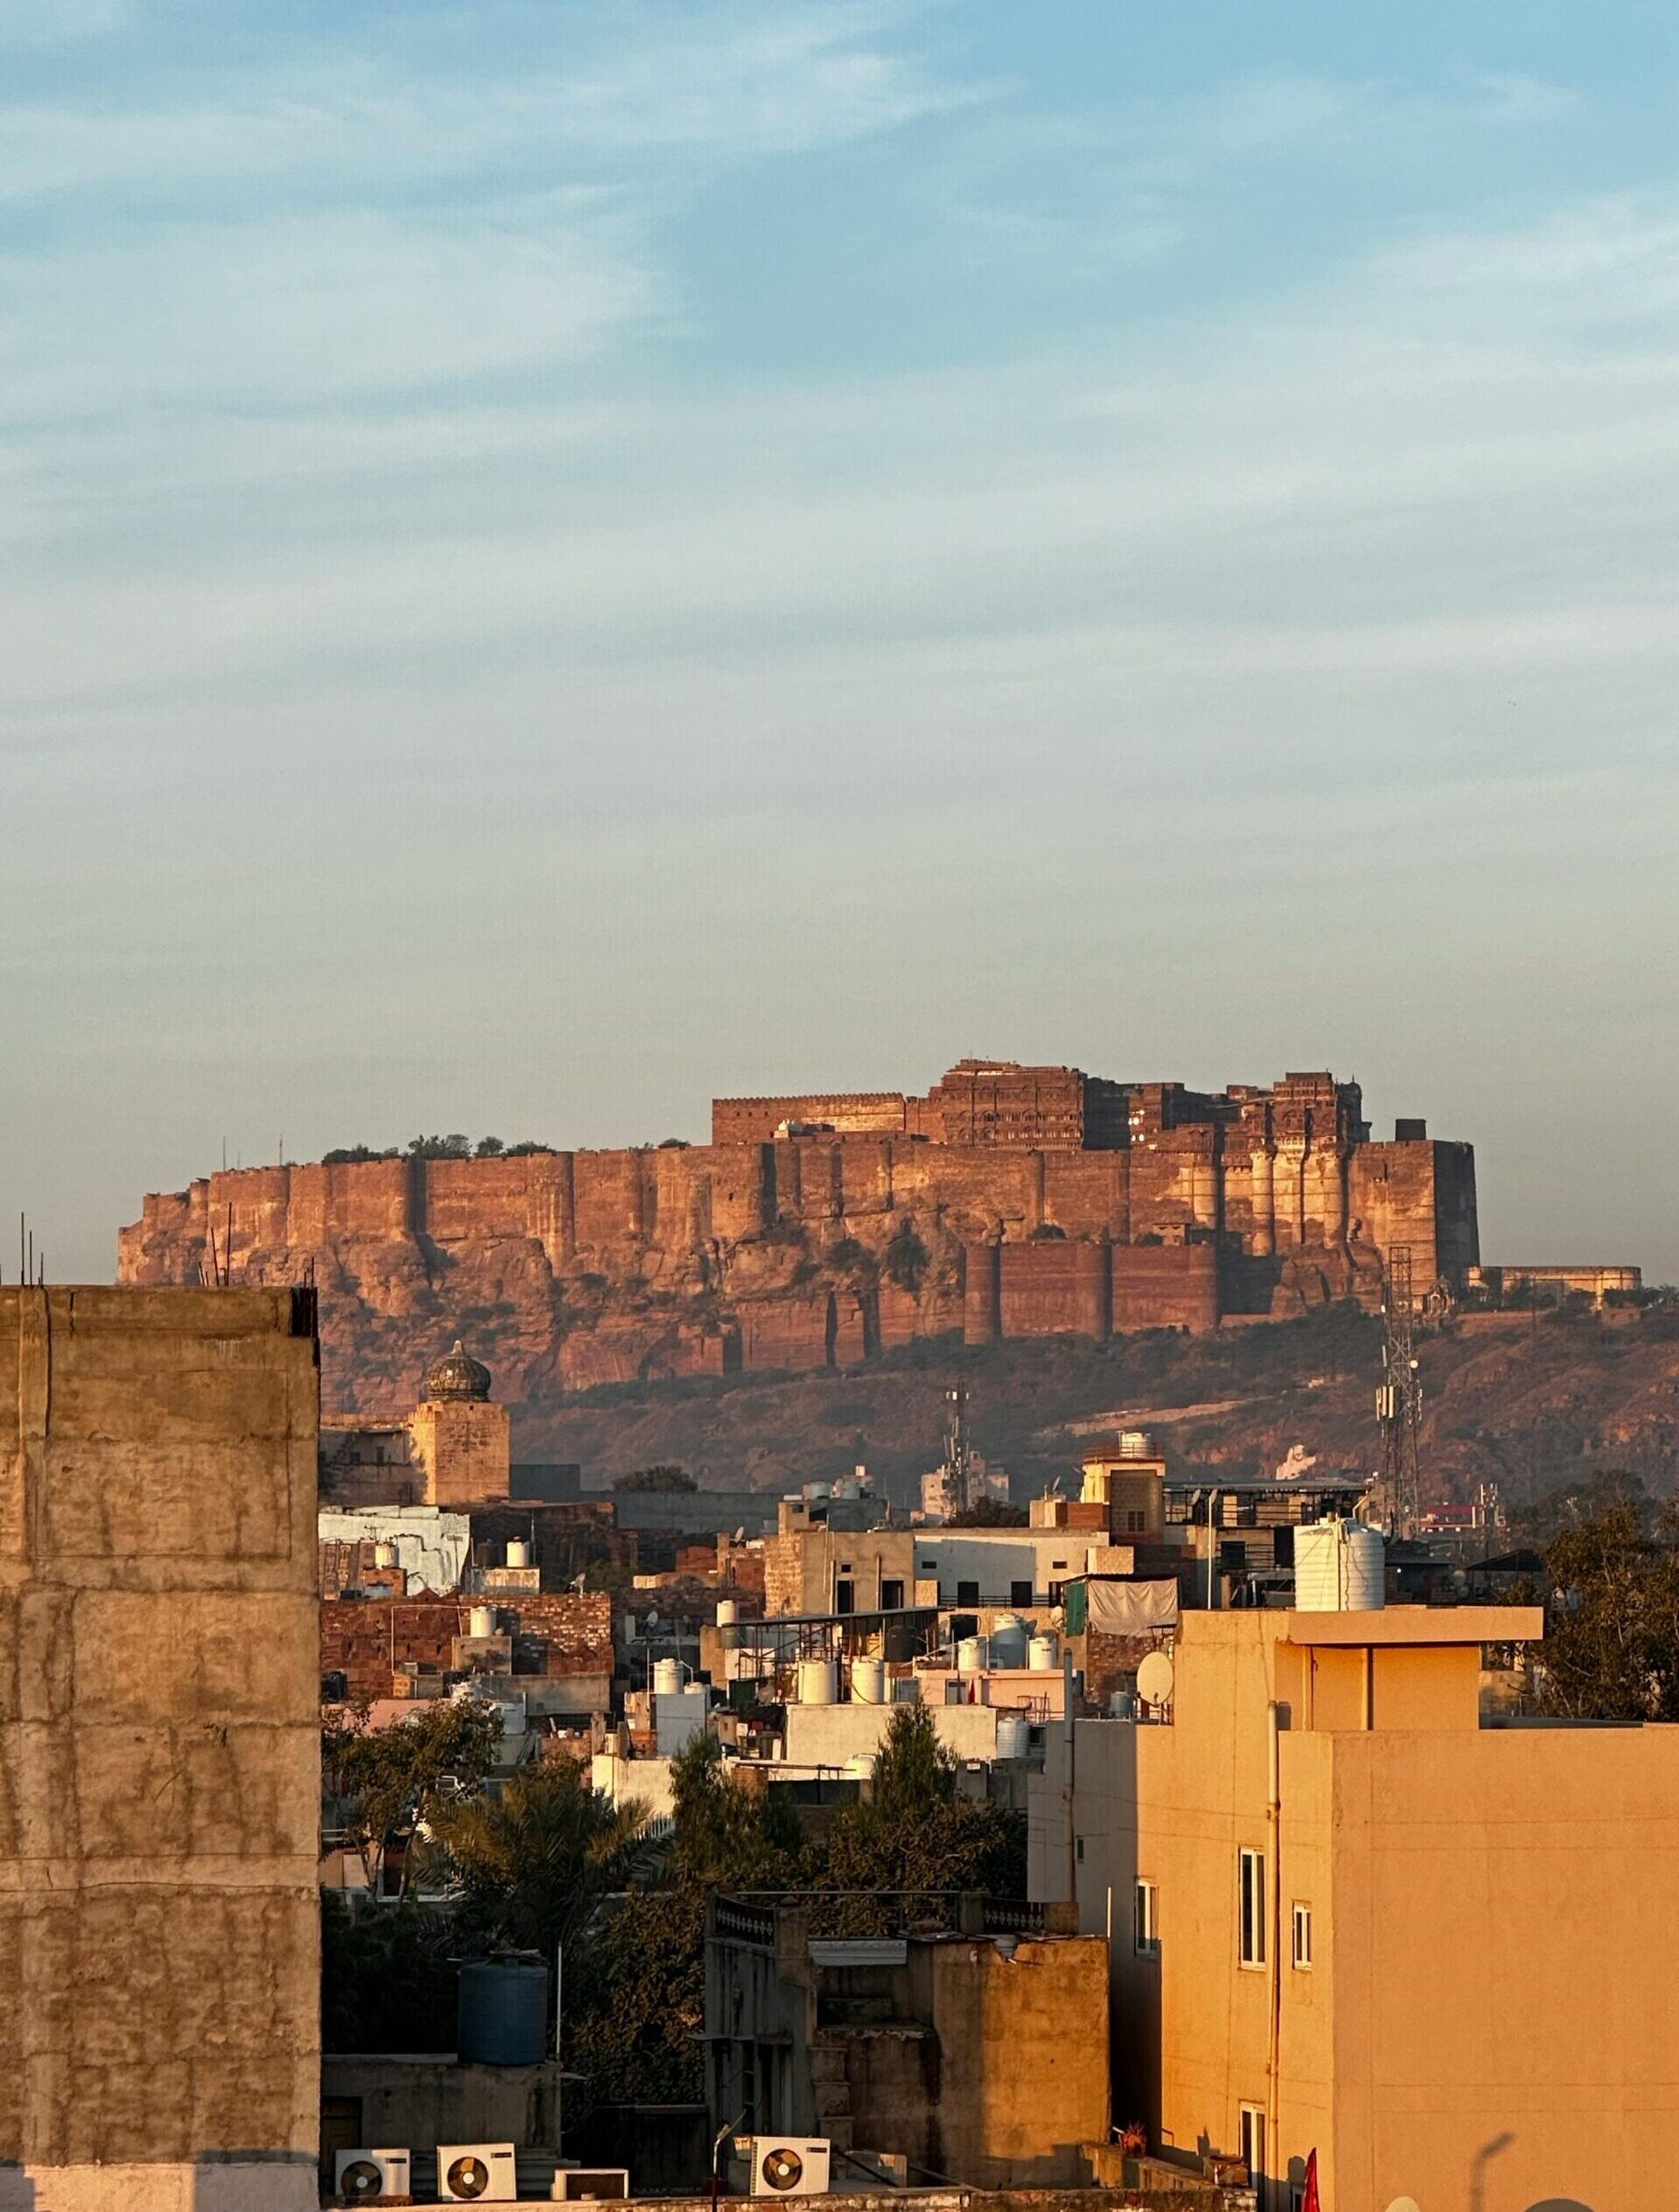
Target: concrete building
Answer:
[[958, 2053], [884, 1570], [1350, 1919], [159, 1751]]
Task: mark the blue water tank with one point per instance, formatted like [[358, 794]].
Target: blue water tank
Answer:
[[503, 2019]]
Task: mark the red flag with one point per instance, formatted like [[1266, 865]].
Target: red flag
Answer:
[[1310, 2201]]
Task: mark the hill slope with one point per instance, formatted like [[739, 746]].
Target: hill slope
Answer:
[[1527, 1403]]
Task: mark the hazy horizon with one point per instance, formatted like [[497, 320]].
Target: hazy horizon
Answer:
[[564, 561]]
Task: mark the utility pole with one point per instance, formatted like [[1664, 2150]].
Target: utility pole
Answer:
[[1399, 1401]]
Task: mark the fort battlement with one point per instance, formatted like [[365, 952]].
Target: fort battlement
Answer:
[[818, 1229]]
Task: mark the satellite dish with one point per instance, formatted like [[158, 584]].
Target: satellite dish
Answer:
[[1154, 1679]]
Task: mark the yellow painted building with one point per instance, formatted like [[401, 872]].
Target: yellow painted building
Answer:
[[1346, 1917]]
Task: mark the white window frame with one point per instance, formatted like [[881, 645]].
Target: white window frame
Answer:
[[1250, 2142], [1250, 1909], [1302, 1938], [1145, 1919]]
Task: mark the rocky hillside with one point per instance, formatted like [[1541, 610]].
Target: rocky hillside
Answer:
[[1526, 1403]]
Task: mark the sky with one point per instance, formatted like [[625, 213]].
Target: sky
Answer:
[[557, 559]]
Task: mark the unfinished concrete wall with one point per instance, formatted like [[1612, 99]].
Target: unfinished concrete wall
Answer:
[[159, 1750]]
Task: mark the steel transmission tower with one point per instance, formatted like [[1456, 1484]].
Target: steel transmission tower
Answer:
[[1399, 1399]]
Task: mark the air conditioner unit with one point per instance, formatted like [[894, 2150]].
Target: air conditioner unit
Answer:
[[790, 2166], [475, 2173], [579, 2184], [370, 2177]]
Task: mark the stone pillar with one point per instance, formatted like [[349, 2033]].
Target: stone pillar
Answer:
[[1289, 1184], [1264, 1238], [1093, 1288], [982, 1295]]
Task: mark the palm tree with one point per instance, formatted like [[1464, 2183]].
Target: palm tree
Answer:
[[534, 1864]]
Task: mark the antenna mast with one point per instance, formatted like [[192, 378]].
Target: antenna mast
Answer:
[[1399, 1399]]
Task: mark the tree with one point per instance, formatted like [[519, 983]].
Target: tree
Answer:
[[1612, 1644], [532, 1864], [906, 1259], [637, 2029], [915, 1832], [664, 1482], [491, 1147], [393, 1781], [990, 1512]]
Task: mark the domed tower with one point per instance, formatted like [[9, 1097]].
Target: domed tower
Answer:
[[462, 1440]]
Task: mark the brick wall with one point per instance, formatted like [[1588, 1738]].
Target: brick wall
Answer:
[[367, 1639]]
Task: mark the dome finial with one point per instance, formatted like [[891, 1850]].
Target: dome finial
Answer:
[[457, 1375]]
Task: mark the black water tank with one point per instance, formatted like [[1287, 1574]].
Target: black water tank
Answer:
[[502, 2020]]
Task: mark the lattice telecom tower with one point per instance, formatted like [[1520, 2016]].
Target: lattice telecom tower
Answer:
[[1399, 1399]]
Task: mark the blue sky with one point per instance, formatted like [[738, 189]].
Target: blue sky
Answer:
[[556, 558]]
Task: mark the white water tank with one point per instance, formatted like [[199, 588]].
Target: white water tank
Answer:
[[1009, 1638], [1013, 1735], [667, 1677], [481, 1621], [384, 1552], [1339, 1568], [518, 1552], [868, 1681], [860, 1766], [1043, 1653], [970, 1655], [818, 1682], [728, 1612], [1122, 1705]]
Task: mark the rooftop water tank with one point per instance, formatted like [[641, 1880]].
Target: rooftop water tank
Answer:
[[728, 1612], [818, 1682], [1009, 1641], [1043, 1653], [481, 1621], [1013, 1735], [518, 1552], [502, 2013], [384, 1552], [970, 1655], [868, 1681], [1338, 1569], [667, 1677]]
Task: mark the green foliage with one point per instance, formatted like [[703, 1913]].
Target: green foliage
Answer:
[[906, 1259], [804, 1271], [349, 1154], [662, 1481], [1567, 1504], [532, 1864], [1612, 1644], [917, 1832], [388, 1978], [491, 1147], [1047, 1233], [524, 1148], [992, 1512], [845, 1255], [452, 1148], [634, 2033], [391, 1780]]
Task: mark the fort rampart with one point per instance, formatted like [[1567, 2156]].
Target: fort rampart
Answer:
[[850, 1231]]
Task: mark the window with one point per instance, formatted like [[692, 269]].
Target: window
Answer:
[[1078, 1850], [844, 1598], [1146, 1921], [1250, 1875], [1282, 1547], [1251, 2143], [1020, 1594], [1136, 1523], [967, 1594], [891, 1596], [1303, 1937]]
